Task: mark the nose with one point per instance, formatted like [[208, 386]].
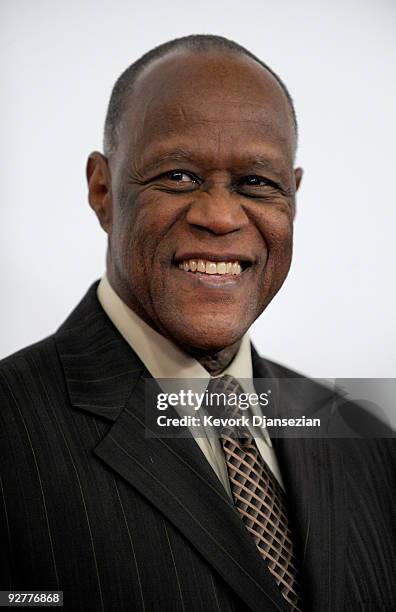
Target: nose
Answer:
[[217, 211]]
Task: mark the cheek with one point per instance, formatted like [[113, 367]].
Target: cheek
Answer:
[[281, 244], [276, 228], [277, 231], [138, 238]]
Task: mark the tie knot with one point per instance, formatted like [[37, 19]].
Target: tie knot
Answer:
[[226, 384], [224, 399]]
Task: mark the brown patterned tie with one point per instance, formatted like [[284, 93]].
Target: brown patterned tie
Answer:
[[258, 497]]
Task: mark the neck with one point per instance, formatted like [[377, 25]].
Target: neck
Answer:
[[215, 363]]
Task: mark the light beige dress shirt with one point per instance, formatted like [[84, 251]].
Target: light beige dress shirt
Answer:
[[164, 359]]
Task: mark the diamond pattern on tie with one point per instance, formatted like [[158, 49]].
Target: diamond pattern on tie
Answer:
[[258, 497]]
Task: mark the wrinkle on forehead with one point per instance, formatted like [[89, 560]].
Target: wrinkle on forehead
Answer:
[[225, 122], [179, 98]]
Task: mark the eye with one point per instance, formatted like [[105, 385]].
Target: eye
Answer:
[[254, 181], [177, 180], [181, 177], [257, 186]]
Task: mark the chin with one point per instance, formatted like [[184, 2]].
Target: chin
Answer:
[[210, 336]]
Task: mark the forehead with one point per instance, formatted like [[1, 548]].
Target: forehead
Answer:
[[217, 103]]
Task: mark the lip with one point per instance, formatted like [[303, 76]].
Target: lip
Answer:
[[215, 281]]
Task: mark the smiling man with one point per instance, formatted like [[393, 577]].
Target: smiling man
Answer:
[[196, 193]]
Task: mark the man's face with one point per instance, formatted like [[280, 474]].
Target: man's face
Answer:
[[202, 197]]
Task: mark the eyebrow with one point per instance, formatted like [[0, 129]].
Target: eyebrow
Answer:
[[175, 155]]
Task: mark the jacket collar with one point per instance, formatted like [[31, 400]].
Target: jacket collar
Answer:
[[100, 368]]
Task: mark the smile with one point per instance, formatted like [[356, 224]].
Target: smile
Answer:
[[206, 266]]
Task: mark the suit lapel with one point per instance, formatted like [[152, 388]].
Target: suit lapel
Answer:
[[313, 474], [105, 377], [100, 368]]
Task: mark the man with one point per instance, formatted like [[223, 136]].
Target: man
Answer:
[[196, 192]]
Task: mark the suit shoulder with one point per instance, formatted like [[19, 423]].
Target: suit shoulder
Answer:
[[20, 371], [264, 367], [282, 371], [44, 346]]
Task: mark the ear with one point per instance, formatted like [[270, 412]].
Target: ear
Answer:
[[298, 174], [99, 188]]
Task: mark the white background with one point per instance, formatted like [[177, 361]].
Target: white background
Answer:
[[335, 315]]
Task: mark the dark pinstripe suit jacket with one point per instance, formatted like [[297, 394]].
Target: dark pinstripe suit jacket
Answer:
[[123, 522]]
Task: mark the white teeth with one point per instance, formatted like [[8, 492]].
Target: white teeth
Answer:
[[211, 267]]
